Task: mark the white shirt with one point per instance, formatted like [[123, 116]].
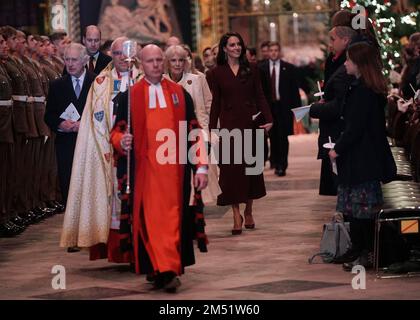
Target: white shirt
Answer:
[[276, 65], [81, 79]]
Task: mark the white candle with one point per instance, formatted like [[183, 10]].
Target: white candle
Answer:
[[273, 36]]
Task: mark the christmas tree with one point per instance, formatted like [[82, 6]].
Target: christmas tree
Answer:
[[392, 26]]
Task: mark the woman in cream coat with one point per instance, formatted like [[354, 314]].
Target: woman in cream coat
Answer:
[[177, 64]]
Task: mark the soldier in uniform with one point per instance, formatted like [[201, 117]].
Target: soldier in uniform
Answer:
[[24, 128], [49, 54], [60, 41], [49, 187], [37, 99], [7, 227]]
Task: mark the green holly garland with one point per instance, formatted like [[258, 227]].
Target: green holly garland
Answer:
[[393, 29]]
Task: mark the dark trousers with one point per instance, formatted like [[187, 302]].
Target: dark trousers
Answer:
[[20, 174], [49, 181], [328, 181], [6, 170], [65, 144], [362, 233], [279, 147]]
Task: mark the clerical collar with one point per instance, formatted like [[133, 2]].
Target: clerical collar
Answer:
[[156, 91], [120, 75]]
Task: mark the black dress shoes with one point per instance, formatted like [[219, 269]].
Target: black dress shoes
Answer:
[[365, 260], [31, 217], [73, 249], [60, 208], [19, 222], [168, 281], [280, 172], [9, 229]]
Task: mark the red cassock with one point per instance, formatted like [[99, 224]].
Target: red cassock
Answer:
[[159, 193]]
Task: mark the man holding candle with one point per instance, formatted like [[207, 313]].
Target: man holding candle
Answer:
[[328, 109]]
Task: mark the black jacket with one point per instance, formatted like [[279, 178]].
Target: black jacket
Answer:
[[362, 147], [61, 94], [289, 93], [332, 65], [328, 113]]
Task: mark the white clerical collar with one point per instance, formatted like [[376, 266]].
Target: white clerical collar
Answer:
[[156, 90]]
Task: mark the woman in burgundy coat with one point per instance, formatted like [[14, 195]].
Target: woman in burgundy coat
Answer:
[[237, 97]]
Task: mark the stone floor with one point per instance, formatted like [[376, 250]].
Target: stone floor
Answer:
[[269, 262]]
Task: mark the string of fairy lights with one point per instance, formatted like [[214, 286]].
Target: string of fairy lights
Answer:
[[392, 28]]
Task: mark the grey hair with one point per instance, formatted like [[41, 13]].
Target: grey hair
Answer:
[[81, 48], [120, 39]]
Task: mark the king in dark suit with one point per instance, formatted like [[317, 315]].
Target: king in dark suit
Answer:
[[69, 91], [280, 85]]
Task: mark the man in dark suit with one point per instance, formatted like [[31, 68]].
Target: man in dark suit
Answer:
[[92, 40], [97, 61], [68, 94], [328, 111], [280, 85]]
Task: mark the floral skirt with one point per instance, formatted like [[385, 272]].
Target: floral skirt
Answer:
[[360, 201]]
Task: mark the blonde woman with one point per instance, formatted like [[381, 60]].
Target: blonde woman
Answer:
[[177, 65]]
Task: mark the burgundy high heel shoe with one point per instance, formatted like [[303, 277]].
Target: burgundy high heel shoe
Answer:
[[236, 232], [250, 226]]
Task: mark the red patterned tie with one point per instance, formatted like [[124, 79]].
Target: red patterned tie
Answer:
[[273, 83], [91, 66]]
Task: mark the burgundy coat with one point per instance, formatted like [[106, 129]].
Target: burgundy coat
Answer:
[[235, 100]]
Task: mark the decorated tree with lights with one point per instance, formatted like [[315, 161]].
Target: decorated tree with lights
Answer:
[[392, 27]]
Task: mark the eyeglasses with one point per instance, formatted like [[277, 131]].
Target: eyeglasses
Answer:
[[117, 53]]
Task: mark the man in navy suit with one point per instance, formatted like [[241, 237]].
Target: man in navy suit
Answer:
[[280, 85], [92, 40], [67, 94]]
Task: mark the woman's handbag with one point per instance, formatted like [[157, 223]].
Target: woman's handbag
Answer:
[[335, 241]]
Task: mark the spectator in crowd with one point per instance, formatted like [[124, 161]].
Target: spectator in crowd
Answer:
[[362, 149]]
